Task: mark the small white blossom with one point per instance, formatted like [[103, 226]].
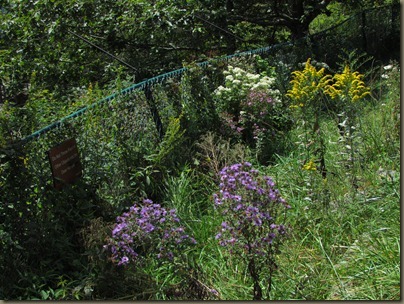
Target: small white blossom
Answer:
[[268, 80], [262, 85], [252, 76], [388, 67], [219, 90], [237, 70], [274, 92], [230, 77]]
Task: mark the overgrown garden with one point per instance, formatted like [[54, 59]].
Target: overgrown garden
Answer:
[[252, 176]]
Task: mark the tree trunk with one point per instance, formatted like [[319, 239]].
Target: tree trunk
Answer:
[[298, 30]]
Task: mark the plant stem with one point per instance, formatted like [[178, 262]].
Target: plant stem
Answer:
[[254, 274]]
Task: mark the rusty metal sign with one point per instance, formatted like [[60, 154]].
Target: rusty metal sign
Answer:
[[65, 163]]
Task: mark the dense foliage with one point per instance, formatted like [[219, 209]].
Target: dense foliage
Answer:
[[271, 176], [40, 50]]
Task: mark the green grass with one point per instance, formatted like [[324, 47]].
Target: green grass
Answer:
[[345, 241]]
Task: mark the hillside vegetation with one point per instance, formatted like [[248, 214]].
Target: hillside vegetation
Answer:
[[270, 175]]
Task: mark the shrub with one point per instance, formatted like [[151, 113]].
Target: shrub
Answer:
[[238, 84], [251, 108]]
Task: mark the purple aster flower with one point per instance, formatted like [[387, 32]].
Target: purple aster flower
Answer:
[[232, 241], [237, 198], [238, 207], [214, 291], [170, 255], [148, 201], [149, 228], [257, 221], [123, 261], [149, 224]]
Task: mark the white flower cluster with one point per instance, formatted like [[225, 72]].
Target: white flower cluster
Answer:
[[240, 82], [389, 69]]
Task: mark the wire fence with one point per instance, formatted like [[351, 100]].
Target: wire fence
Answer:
[[114, 132], [374, 31]]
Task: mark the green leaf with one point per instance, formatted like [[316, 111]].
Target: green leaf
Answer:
[[44, 294]]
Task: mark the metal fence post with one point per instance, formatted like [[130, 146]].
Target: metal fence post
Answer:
[[154, 111]]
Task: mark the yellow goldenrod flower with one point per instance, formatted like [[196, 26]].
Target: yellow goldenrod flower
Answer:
[[310, 166], [348, 86], [307, 84]]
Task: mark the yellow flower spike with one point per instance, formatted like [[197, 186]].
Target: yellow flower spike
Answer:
[[348, 86], [307, 84], [310, 166]]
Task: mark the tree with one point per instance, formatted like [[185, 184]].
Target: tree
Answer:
[[37, 46], [295, 15]]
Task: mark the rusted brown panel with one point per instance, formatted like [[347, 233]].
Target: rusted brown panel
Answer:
[[65, 163]]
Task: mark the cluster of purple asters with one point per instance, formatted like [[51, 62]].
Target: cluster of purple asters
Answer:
[[251, 205], [150, 228]]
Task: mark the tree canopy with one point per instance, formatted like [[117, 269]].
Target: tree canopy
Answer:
[[39, 48]]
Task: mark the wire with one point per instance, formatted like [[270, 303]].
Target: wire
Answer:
[[104, 51], [222, 29], [160, 78]]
